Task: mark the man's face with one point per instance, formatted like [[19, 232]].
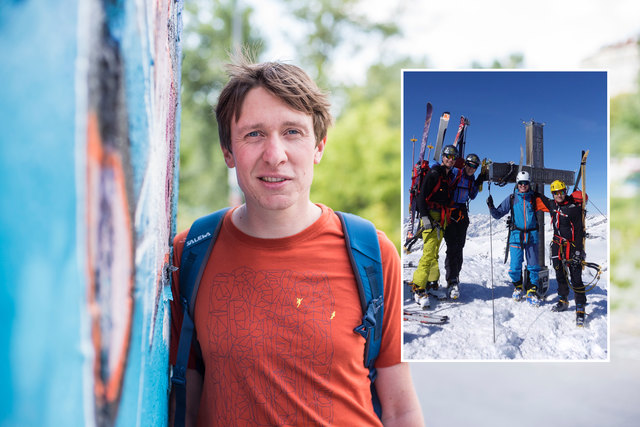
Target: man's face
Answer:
[[469, 169], [274, 151], [523, 186], [448, 160], [559, 196]]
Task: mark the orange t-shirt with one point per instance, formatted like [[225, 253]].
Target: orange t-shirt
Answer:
[[275, 318]]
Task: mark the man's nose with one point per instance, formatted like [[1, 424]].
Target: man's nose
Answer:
[[274, 150]]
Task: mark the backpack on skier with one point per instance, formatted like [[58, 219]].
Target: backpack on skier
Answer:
[[418, 173]]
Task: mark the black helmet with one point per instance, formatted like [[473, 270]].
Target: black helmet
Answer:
[[472, 160], [449, 150]]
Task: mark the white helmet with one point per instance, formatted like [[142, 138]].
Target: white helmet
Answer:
[[523, 176]]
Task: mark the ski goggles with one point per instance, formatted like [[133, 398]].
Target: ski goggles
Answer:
[[471, 165]]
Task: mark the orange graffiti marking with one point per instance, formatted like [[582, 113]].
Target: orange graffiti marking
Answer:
[[110, 264]]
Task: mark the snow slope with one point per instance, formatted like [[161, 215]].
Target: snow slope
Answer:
[[522, 332]]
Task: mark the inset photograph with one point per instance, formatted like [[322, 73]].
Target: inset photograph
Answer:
[[505, 224]]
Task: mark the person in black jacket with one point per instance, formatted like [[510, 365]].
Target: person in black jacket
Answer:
[[567, 247], [433, 204], [464, 187]]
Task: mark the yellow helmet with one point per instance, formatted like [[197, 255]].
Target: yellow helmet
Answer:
[[558, 185]]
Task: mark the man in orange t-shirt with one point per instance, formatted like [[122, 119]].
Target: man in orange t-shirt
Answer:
[[278, 302]]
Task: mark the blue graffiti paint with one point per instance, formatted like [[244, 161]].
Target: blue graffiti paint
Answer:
[[41, 282], [45, 344], [121, 18]]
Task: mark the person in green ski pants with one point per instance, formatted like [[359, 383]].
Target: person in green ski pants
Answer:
[[433, 205]]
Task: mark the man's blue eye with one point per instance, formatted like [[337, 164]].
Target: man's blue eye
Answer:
[[253, 134]]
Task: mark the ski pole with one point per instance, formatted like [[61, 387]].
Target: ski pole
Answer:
[[413, 150], [429, 153], [493, 310]]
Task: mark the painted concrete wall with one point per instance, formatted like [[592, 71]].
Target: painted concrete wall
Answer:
[[89, 107]]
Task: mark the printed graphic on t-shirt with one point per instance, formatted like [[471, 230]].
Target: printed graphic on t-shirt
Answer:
[[269, 335]]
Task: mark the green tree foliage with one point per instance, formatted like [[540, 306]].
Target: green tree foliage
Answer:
[[625, 229], [207, 44], [360, 169], [625, 233], [329, 24], [359, 172], [625, 124]]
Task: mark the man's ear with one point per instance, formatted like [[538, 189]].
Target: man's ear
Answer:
[[319, 150], [228, 158]]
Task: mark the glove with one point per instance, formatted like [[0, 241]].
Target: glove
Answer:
[[483, 176], [490, 202]]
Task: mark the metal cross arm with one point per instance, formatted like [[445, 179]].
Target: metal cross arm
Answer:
[[506, 172]]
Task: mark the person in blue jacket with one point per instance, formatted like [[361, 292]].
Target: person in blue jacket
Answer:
[[465, 188], [523, 236]]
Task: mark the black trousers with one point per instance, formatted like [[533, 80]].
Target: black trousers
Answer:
[[455, 236], [575, 272]]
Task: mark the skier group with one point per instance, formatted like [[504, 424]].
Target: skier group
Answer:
[[441, 200]]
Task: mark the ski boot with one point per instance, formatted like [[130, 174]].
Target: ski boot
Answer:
[[562, 305], [434, 289], [518, 293], [454, 289], [580, 315], [532, 297], [420, 295]]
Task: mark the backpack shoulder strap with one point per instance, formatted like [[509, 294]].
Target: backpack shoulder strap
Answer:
[[195, 253], [363, 247], [457, 178], [435, 189]]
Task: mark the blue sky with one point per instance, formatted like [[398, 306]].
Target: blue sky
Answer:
[[573, 106]]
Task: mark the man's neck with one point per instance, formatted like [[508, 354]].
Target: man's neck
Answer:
[[275, 224]]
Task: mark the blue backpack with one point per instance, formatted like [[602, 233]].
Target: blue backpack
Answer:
[[364, 252]]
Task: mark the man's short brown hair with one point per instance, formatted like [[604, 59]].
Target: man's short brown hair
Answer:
[[285, 81]]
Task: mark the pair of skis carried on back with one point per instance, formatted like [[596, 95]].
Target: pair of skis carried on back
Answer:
[[417, 172]]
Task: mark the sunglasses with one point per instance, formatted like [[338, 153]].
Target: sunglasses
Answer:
[[449, 156], [471, 165], [523, 183], [559, 192]]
